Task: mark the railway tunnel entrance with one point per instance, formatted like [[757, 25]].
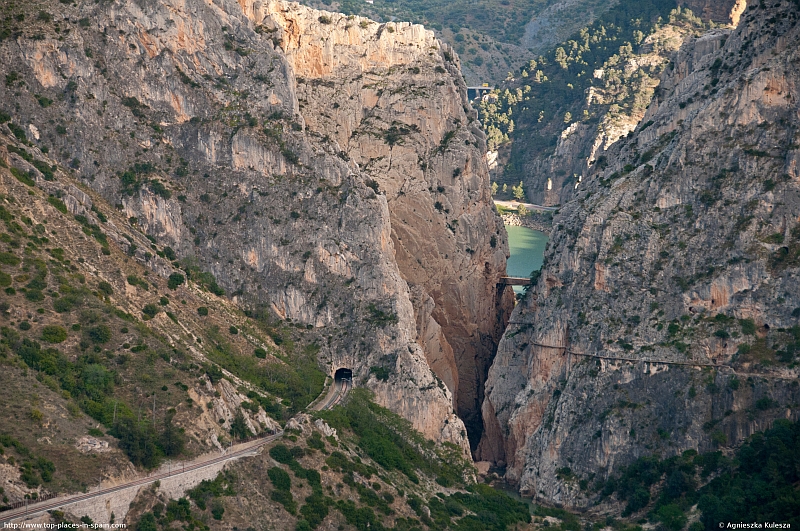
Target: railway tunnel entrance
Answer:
[[343, 374]]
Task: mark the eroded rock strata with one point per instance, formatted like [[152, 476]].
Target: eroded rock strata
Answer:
[[390, 99], [324, 169], [682, 255]]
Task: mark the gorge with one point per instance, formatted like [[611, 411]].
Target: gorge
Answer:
[[213, 210]]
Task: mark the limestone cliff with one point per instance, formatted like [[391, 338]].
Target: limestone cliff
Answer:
[[723, 12], [390, 100], [584, 94], [203, 123], [666, 314]]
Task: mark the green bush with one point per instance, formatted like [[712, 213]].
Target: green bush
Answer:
[[239, 427], [207, 490], [22, 177], [105, 288], [315, 509], [58, 204], [203, 278], [151, 310], [34, 295], [202, 311], [175, 280], [133, 280], [138, 441], [279, 478], [381, 373], [147, 523], [54, 334], [672, 516], [9, 259], [285, 498], [748, 326], [67, 302], [100, 334], [260, 353], [217, 510]]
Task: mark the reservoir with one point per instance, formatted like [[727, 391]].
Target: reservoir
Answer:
[[527, 252]]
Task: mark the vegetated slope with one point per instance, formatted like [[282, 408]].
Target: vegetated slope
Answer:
[[683, 250], [561, 19], [108, 364], [363, 469], [754, 484], [565, 106], [186, 118]]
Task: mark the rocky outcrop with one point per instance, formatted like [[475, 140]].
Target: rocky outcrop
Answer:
[[666, 315], [377, 235], [389, 99], [617, 101], [720, 11], [540, 223]]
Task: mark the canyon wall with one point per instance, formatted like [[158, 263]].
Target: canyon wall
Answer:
[[390, 99], [666, 314], [551, 155], [326, 171]]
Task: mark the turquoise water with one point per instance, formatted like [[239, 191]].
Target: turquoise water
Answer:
[[527, 252]]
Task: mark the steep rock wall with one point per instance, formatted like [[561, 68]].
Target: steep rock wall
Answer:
[[666, 315], [192, 119], [720, 11], [390, 100]]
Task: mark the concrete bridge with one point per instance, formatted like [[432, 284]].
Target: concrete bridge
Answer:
[[514, 281], [477, 92]]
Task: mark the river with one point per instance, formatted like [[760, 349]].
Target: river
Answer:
[[527, 252]]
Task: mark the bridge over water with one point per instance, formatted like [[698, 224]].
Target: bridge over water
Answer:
[[514, 281]]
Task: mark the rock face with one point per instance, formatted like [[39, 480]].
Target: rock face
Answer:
[[551, 157], [390, 100], [617, 101], [666, 314], [720, 11], [324, 170]]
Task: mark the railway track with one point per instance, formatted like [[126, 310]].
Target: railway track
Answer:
[[58, 503], [341, 386]]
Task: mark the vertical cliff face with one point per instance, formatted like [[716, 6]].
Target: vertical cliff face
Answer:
[[666, 315], [207, 125], [389, 99]]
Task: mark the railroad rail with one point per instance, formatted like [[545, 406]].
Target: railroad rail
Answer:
[[58, 503], [38, 507]]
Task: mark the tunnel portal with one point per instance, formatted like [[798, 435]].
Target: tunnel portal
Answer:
[[343, 374]]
